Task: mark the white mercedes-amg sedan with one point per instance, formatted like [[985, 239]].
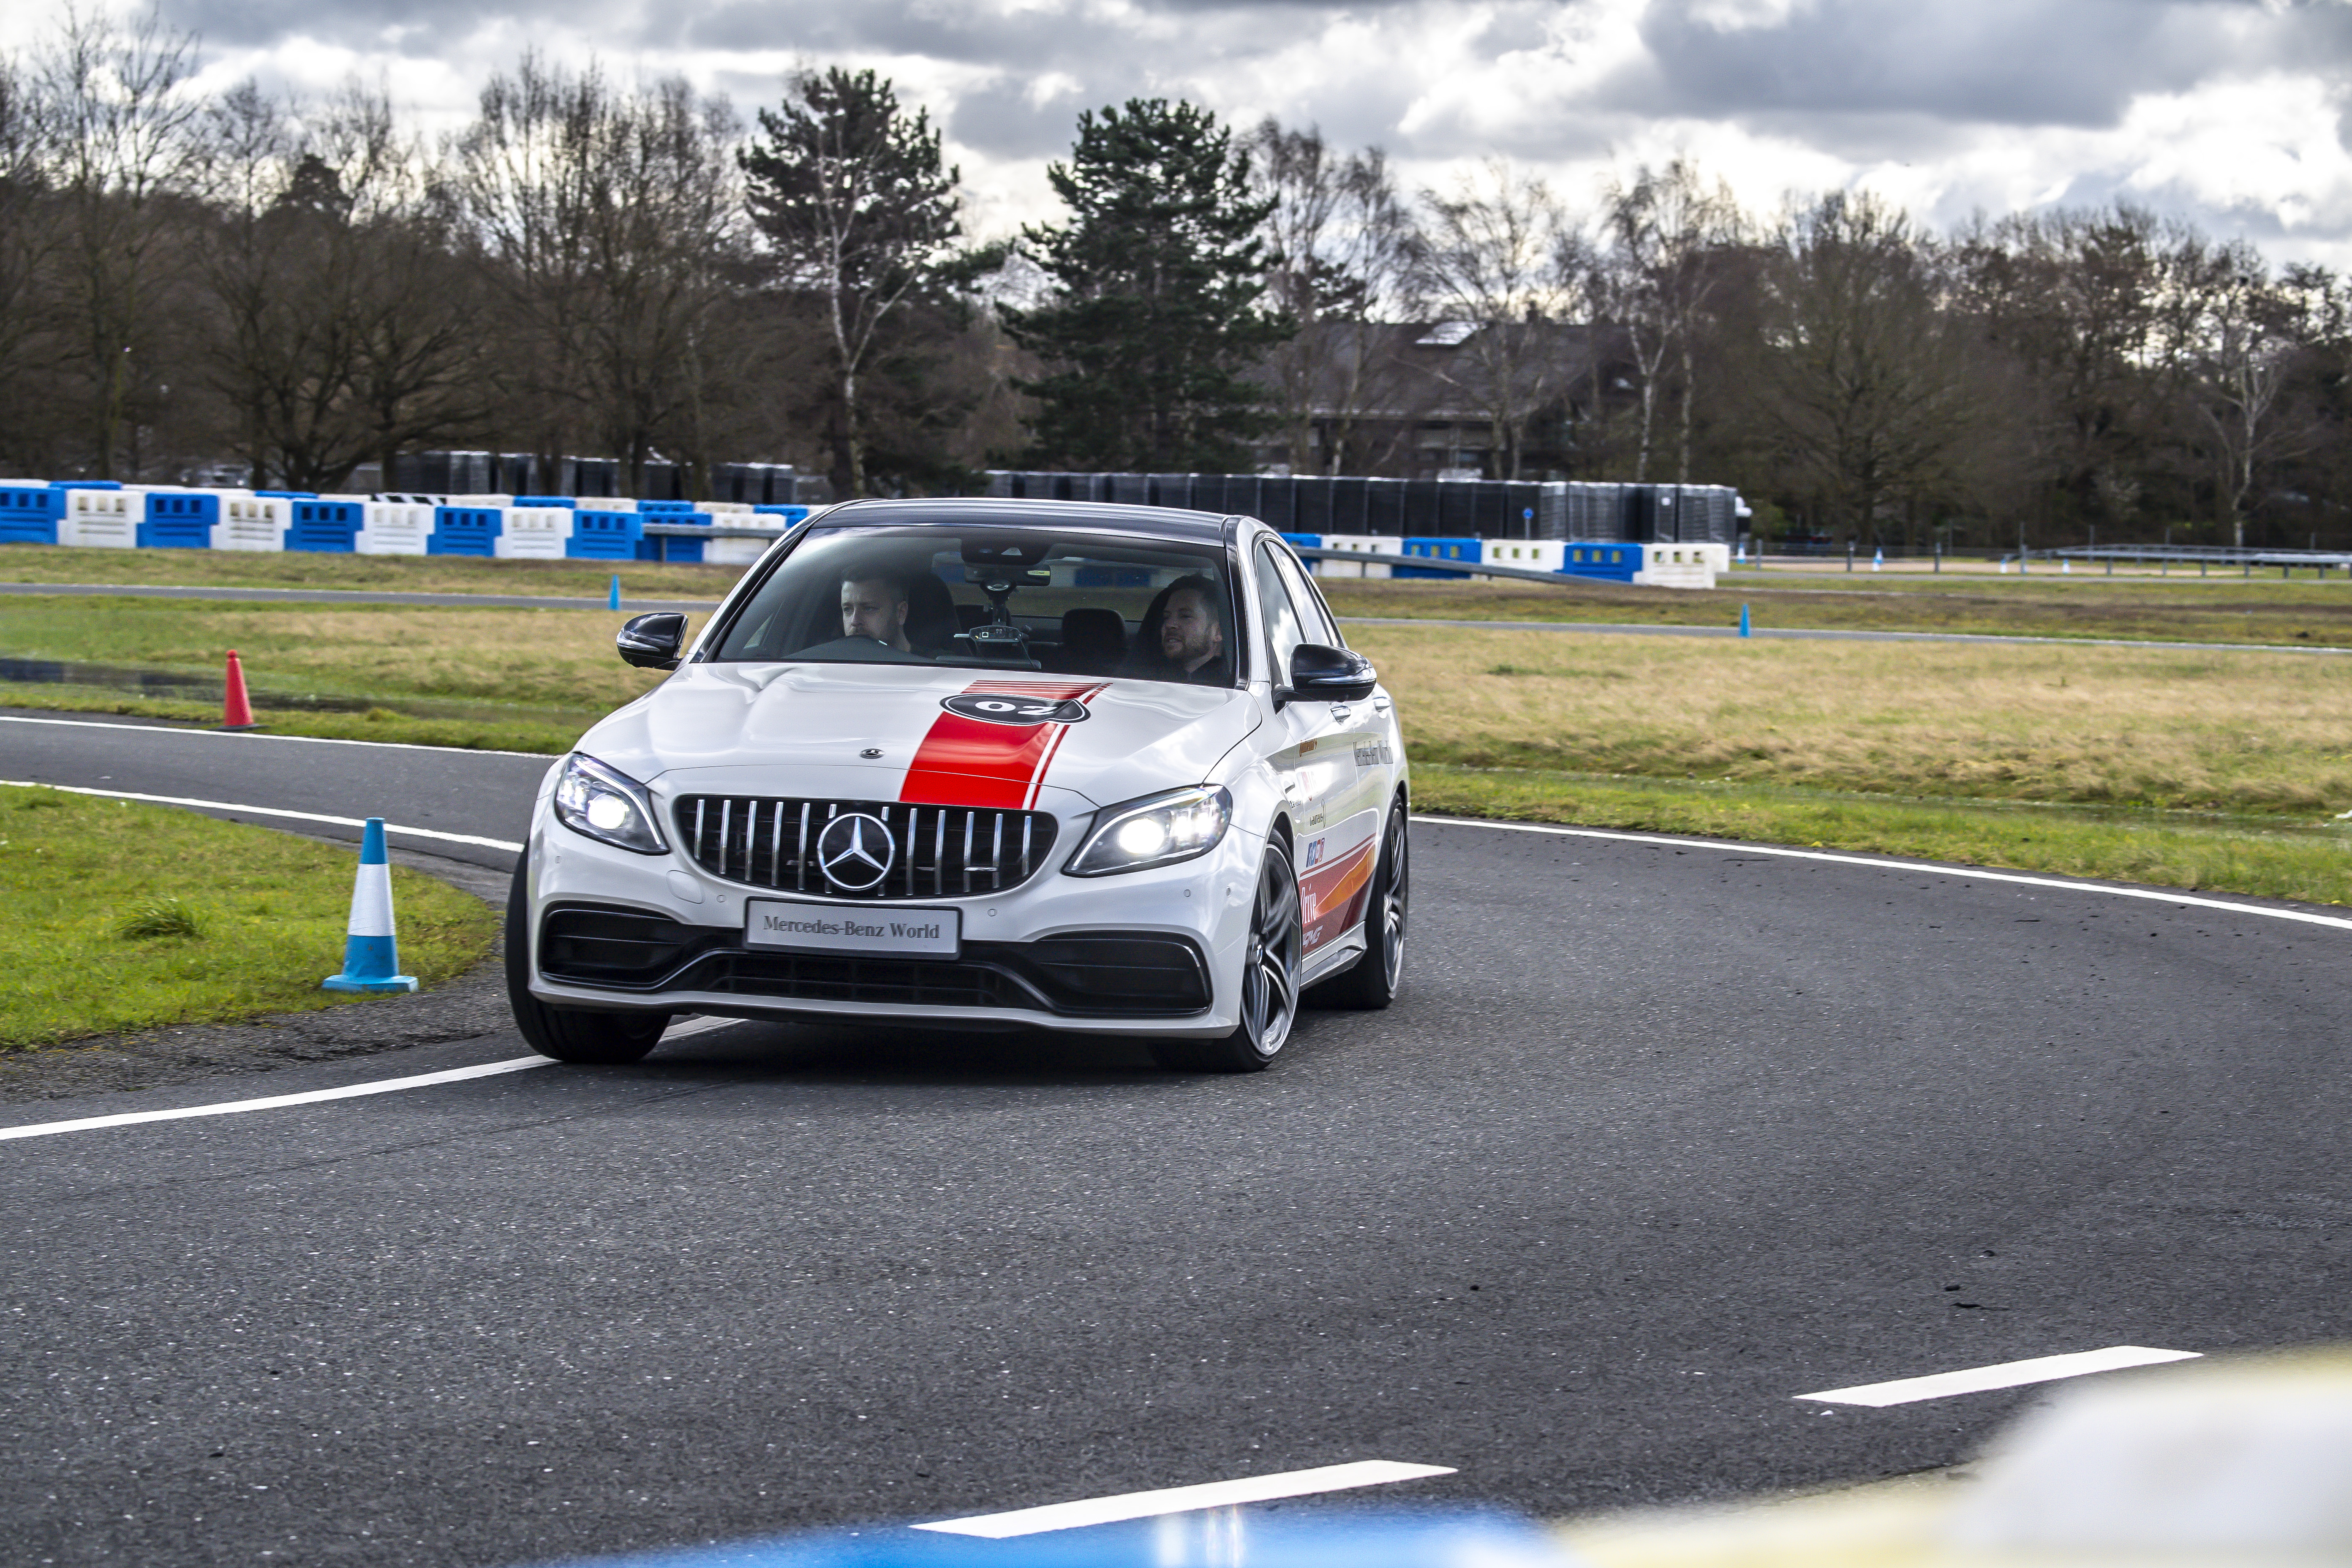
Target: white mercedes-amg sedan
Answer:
[[984, 765]]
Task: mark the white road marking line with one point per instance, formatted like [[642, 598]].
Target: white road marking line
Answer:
[[2154, 895], [1183, 1499], [249, 735], [267, 811], [277, 1102], [2008, 1375]]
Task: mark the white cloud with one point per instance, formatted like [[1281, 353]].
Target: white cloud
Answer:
[[2230, 111]]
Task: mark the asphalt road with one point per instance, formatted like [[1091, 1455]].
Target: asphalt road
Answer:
[[1658, 1138]]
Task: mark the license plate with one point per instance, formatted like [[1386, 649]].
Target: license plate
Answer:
[[852, 932]]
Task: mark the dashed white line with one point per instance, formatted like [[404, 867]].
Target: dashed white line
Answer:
[[1731, 845], [1183, 1499], [2008, 1375], [248, 736], [433, 833], [277, 1102]]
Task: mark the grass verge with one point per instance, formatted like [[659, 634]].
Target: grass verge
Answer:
[[127, 917], [369, 573], [544, 737], [2303, 613], [502, 679], [2314, 865]]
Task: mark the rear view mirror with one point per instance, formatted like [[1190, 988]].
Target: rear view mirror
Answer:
[[652, 642], [1322, 674]]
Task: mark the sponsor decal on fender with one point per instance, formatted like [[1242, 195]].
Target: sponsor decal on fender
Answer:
[[993, 742]]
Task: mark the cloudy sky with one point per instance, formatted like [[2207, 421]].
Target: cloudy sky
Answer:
[[2236, 112]]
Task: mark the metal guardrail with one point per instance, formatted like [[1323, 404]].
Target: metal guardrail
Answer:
[[2212, 554], [1312, 553], [1438, 562], [694, 530]]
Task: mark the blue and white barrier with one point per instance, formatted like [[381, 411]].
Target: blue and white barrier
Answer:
[[96, 518], [28, 513], [394, 527], [253, 522], [1437, 548]]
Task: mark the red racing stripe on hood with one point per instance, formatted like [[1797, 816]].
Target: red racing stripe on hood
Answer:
[[1001, 768]]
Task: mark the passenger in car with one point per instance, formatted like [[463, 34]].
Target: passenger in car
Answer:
[[873, 604], [1184, 635]]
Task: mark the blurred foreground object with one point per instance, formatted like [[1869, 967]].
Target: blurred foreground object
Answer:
[[1213, 1538], [2243, 1463]]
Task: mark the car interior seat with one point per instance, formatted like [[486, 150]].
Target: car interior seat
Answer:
[[1094, 640], [930, 614]]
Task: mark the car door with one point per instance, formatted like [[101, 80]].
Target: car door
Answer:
[[1312, 761]]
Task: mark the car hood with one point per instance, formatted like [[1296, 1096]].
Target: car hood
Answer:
[[880, 733]]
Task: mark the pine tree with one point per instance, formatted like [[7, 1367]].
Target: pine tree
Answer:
[[853, 195], [1155, 315]]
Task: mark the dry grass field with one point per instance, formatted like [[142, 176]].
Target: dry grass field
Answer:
[[2179, 728]]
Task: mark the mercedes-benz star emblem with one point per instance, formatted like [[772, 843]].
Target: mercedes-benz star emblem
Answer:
[[854, 852]]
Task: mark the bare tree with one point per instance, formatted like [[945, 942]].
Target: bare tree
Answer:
[[1865, 378], [338, 327], [1342, 246], [1499, 255], [1669, 233], [607, 221], [29, 247], [2244, 340], [121, 144]]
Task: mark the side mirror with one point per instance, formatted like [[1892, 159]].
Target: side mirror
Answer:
[[1321, 674], [652, 642]]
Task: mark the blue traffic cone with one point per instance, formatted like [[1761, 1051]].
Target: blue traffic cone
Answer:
[[1877, 560], [1743, 620], [371, 952], [613, 601]]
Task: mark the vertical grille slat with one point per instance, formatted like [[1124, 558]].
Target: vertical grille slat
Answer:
[[765, 842]]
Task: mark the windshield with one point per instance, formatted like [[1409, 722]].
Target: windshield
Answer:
[[996, 597]]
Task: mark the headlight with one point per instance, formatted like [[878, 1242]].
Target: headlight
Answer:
[[608, 805], [1158, 830]]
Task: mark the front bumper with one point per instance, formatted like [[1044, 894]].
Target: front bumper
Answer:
[[1153, 952]]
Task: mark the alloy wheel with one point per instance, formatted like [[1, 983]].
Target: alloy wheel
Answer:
[[1270, 981]]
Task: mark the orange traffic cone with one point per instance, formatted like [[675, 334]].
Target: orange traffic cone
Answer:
[[236, 713]]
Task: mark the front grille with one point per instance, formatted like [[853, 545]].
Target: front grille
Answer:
[[939, 851], [818, 977]]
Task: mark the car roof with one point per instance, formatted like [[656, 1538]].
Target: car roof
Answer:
[[1092, 517]]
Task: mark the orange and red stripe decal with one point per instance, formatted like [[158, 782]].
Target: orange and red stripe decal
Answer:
[[1001, 768]]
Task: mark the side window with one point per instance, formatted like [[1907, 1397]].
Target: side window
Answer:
[[1283, 633], [1313, 619]]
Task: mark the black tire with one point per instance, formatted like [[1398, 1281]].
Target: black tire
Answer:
[[1371, 983], [599, 1039], [1270, 982]]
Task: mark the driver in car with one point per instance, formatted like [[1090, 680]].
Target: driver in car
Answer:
[[1186, 640], [873, 604]]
